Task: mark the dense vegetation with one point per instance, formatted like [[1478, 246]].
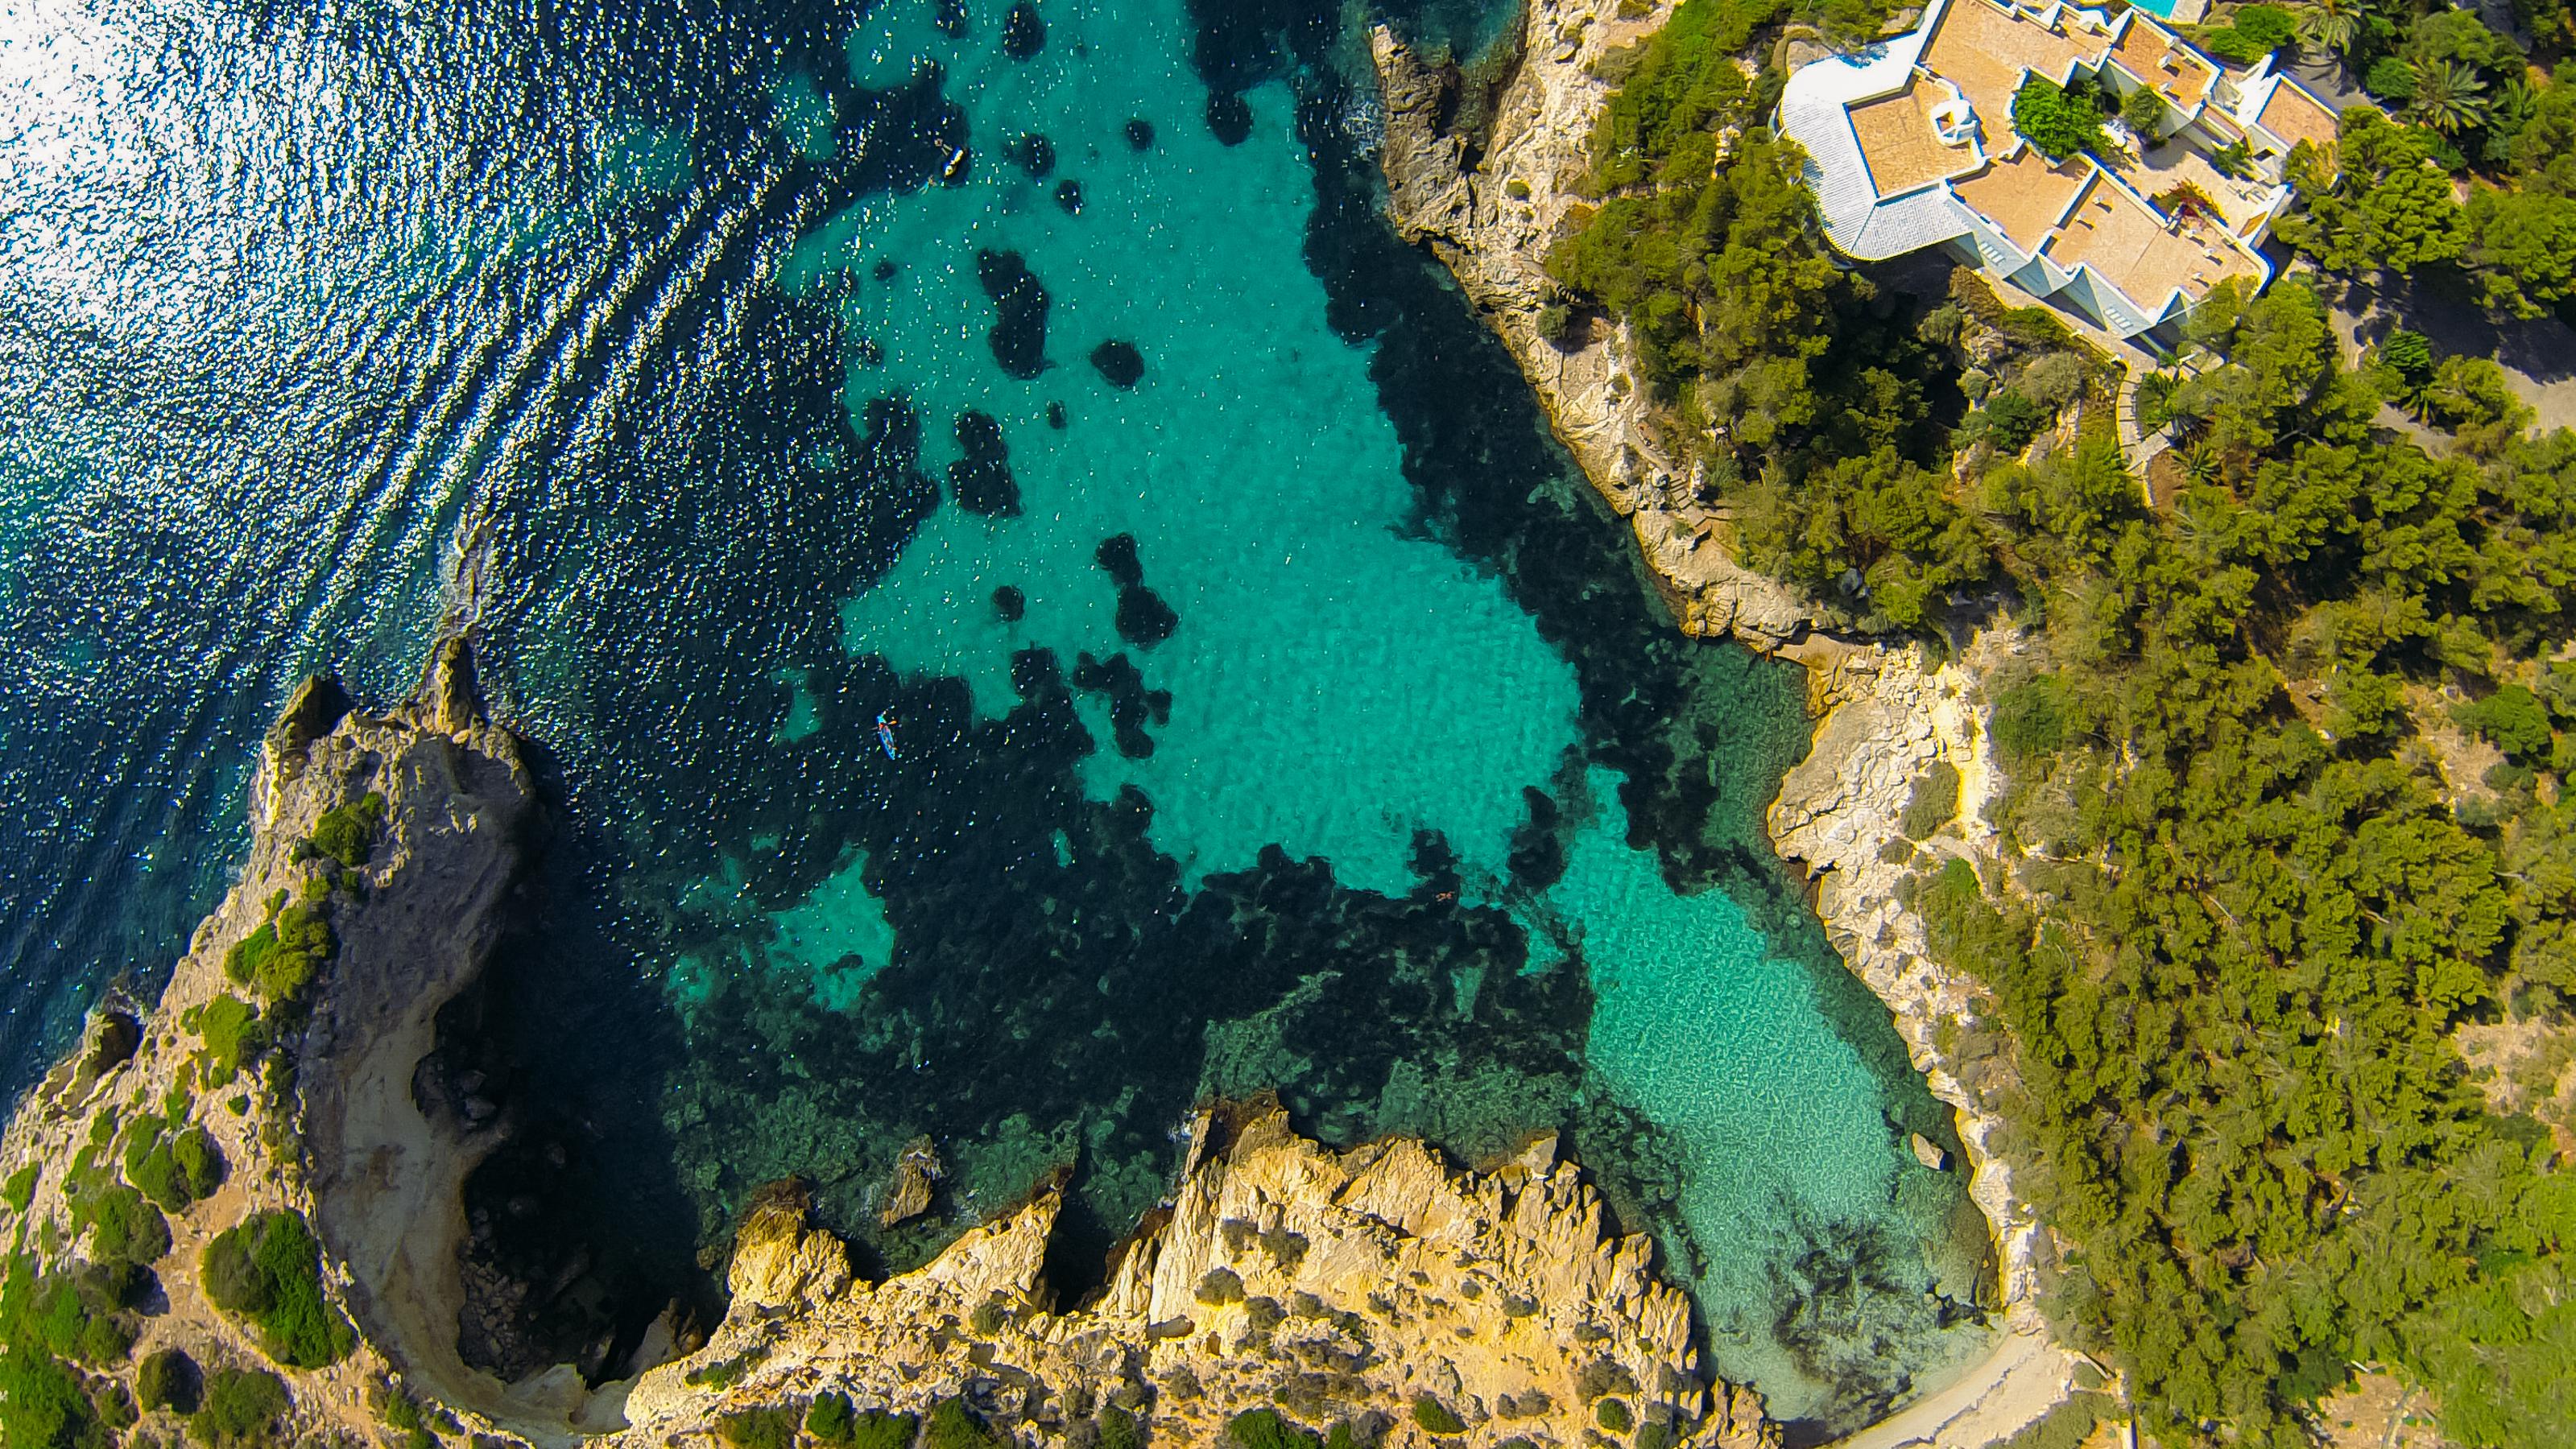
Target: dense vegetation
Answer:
[[2285, 804], [2458, 102], [267, 1271]]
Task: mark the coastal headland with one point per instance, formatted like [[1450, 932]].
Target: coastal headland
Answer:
[[296, 1273]]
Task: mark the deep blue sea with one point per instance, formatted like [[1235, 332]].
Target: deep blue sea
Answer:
[[1036, 607]]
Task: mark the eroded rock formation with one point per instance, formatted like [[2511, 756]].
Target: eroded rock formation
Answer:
[[1489, 205], [1337, 1288], [1328, 1286]]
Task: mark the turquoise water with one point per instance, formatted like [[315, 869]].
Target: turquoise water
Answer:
[[1408, 804], [1339, 680]]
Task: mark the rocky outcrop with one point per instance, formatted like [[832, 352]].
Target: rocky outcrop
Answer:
[[1489, 206], [1887, 722], [325, 1123], [1327, 1286], [1351, 1287]]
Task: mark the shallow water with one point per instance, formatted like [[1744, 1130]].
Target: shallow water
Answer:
[[1411, 806]]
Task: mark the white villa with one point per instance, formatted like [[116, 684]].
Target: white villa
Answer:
[[1910, 144]]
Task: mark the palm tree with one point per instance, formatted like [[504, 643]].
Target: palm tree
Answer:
[[2450, 97], [2333, 26]]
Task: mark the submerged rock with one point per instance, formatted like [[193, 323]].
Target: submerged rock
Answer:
[[1035, 155], [1119, 362], [1229, 117], [1019, 337], [1118, 557], [1068, 195], [1144, 620], [982, 479], [1131, 704], [1010, 603], [908, 1193], [950, 17], [1023, 31], [1140, 133], [1055, 416]]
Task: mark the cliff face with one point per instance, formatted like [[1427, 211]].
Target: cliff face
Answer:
[[1491, 223], [427, 804], [1351, 1288], [1332, 1287], [1886, 721]]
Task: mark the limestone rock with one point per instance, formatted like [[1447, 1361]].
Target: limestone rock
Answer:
[[1492, 225], [1353, 1282], [908, 1195], [778, 1261]]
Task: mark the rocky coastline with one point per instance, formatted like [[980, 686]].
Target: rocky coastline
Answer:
[[1488, 205], [1379, 1291]]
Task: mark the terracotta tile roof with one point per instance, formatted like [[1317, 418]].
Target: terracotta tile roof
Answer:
[[2146, 50], [2294, 116], [2024, 196], [1982, 48], [1897, 140], [2129, 245]]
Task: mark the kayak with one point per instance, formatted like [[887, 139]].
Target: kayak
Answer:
[[885, 734]]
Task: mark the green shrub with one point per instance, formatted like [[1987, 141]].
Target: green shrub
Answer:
[[1220, 1286], [42, 1406], [280, 959], [2062, 121], [1265, 1429], [764, 1428], [2065, 1427], [1119, 1429], [725, 1373], [2390, 79], [20, 1189], [988, 1317], [2255, 32], [1935, 801], [168, 1379], [172, 1169], [953, 1426], [2010, 420], [1287, 1249], [124, 1228], [2031, 719], [347, 833], [113, 1405], [2512, 718], [829, 1419], [2144, 111], [1436, 1417], [233, 1035], [879, 1429], [268, 1271], [2408, 355], [1613, 1415], [240, 1410]]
